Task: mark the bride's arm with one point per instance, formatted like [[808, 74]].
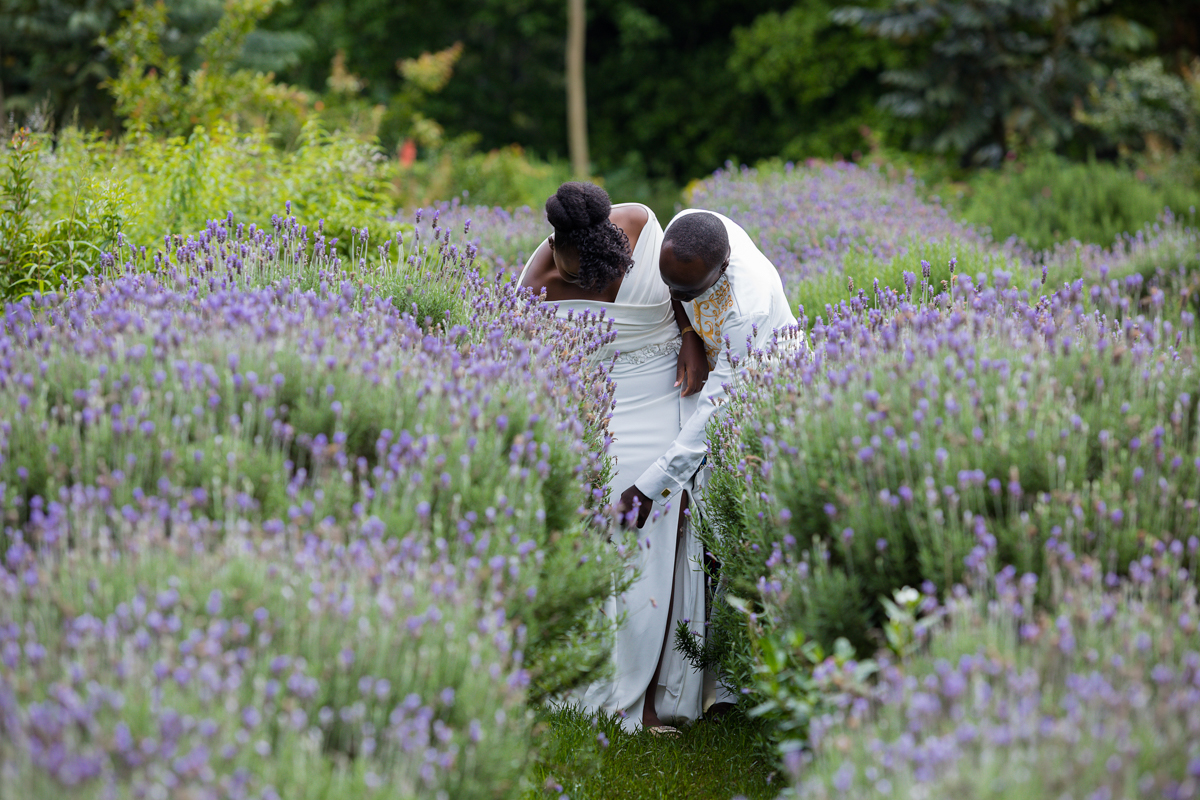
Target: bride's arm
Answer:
[[533, 275]]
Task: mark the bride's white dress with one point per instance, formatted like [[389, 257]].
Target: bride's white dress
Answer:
[[645, 422]]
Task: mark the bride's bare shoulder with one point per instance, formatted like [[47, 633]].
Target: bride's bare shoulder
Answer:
[[631, 218]]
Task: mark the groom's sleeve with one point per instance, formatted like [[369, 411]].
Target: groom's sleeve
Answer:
[[670, 474]]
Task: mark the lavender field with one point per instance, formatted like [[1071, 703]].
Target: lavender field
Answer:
[[284, 523], [1013, 434], [265, 536]]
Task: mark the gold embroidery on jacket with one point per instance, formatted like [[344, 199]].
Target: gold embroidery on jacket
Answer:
[[709, 317]]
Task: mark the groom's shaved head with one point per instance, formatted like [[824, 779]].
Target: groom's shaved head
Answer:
[[695, 253], [699, 236]]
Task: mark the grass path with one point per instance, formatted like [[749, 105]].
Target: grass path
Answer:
[[594, 759]]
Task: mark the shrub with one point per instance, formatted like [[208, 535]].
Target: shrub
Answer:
[[984, 73], [154, 95], [56, 233], [64, 199], [825, 225], [1143, 107], [1092, 694], [505, 177], [504, 239], [912, 442], [72, 199], [934, 431], [1046, 200]]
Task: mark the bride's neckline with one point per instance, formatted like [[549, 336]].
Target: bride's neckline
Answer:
[[637, 249]]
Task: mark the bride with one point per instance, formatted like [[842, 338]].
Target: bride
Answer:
[[605, 257]]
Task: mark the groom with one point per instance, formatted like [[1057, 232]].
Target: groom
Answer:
[[734, 301]]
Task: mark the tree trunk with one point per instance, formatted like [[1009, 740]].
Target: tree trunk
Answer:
[[576, 95], [3, 120]]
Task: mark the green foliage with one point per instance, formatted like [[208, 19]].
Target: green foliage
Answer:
[[56, 233], [17, 247], [1047, 199], [703, 652], [903, 630], [506, 177], [657, 76], [791, 695], [861, 267], [1142, 103], [649, 121], [49, 55], [64, 202], [1102, 695], [424, 76], [998, 72], [189, 21], [1153, 117], [345, 106], [155, 94], [819, 73], [1174, 23], [53, 62], [78, 196]]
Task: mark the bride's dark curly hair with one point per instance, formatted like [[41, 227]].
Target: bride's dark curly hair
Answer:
[[579, 214]]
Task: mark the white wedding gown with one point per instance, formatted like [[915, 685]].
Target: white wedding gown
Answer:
[[645, 422]]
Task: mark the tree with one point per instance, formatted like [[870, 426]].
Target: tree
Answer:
[[50, 52], [154, 93], [576, 93], [49, 55], [661, 102], [821, 76], [1174, 23], [997, 72]]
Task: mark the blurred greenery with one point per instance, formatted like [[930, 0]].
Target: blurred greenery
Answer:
[[820, 75], [363, 108], [674, 89], [1047, 199], [996, 73], [54, 61], [154, 93]]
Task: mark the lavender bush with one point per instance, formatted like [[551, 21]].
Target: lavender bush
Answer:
[[832, 229], [1164, 256], [1092, 694], [980, 427], [938, 430], [267, 536], [290, 516], [504, 240]]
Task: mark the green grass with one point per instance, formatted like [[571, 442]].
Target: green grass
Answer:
[[711, 759]]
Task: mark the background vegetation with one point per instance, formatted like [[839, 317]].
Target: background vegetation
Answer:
[[675, 89]]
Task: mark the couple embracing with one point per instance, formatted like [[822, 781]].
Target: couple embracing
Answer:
[[683, 301]]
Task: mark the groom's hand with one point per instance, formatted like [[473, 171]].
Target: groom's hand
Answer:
[[632, 498], [692, 370]]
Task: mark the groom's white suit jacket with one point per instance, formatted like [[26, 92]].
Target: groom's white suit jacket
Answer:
[[742, 310]]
